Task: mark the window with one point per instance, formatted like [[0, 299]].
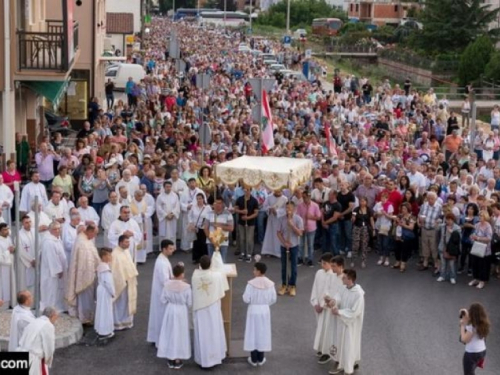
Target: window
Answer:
[[352, 7], [357, 7], [396, 8]]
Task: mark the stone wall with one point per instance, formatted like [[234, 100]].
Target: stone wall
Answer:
[[400, 71]]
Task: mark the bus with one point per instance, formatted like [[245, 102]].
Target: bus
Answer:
[[326, 26], [191, 13], [232, 19]]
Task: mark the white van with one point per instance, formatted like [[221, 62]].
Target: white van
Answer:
[[120, 73]]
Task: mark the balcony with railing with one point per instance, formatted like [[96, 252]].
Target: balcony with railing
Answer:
[[51, 50]]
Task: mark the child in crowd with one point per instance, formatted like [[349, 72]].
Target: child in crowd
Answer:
[[104, 323]]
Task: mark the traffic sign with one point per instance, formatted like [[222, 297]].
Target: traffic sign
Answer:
[[308, 53], [287, 41]]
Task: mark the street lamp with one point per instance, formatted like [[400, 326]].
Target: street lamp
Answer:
[[251, 11]]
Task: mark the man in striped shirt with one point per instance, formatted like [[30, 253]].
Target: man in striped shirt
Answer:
[[429, 219]]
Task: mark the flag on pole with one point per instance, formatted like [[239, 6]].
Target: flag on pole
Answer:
[[329, 141], [267, 125]]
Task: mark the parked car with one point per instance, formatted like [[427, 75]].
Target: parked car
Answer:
[[55, 123], [276, 68]]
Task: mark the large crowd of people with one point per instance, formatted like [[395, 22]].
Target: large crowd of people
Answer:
[[395, 172]]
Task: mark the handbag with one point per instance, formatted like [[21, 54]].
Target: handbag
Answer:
[[478, 249], [192, 231]]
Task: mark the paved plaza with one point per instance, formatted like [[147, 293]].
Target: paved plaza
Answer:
[[411, 327]]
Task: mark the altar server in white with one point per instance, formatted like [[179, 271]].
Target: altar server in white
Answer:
[[55, 209], [43, 220], [141, 213], [39, 339], [349, 309], [70, 231], [104, 323], [209, 287], [175, 340], [20, 319], [33, 189], [53, 270], [124, 225], [27, 255], [7, 276], [274, 205], [260, 293], [168, 211], [87, 213], [110, 213], [162, 273], [151, 209]]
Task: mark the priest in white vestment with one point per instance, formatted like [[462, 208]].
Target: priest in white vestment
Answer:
[[43, 221], [27, 255], [275, 206], [151, 208], [53, 270], [179, 187], [142, 213], [69, 232], [80, 294], [6, 200], [175, 339], [260, 293], [55, 210], [124, 225], [209, 287], [33, 189], [39, 339], [110, 213], [349, 310], [168, 210], [326, 285], [7, 276], [128, 183], [125, 283], [87, 213], [188, 200], [20, 319], [162, 273], [104, 323]]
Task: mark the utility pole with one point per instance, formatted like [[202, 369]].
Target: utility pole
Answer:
[[288, 17], [251, 11], [225, 15]]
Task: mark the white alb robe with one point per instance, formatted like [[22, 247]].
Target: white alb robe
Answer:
[[168, 204], [69, 233], [179, 187], [143, 218], [39, 339], [55, 212], [187, 198], [7, 276], [27, 256], [260, 293], [43, 220], [118, 227], [209, 337], [6, 196], [28, 194], [110, 213], [271, 244], [21, 318], [151, 206], [53, 263], [174, 340], [351, 304], [104, 324], [162, 273], [131, 186], [89, 214], [325, 284]]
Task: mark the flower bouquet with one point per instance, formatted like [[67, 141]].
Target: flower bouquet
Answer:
[[217, 237]]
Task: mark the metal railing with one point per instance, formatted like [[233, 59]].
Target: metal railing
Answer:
[[46, 50]]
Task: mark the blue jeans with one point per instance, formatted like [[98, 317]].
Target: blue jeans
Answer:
[[284, 266], [384, 243], [309, 237], [448, 265], [367, 99], [261, 226], [222, 249], [345, 227], [331, 239], [98, 207]]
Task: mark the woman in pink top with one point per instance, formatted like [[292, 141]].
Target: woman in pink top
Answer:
[[11, 175], [310, 213]]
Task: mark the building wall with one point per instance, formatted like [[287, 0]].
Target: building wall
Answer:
[[126, 6]]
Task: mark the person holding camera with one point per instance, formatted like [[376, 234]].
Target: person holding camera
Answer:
[[474, 328]]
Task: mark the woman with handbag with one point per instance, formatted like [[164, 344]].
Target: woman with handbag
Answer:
[[196, 219], [449, 248], [363, 228], [480, 255], [405, 236], [468, 223], [474, 328]]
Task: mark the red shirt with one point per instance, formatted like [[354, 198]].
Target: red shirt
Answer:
[[9, 179], [395, 198]]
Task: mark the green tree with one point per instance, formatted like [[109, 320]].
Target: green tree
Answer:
[[492, 70], [302, 12], [453, 24], [474, 59]]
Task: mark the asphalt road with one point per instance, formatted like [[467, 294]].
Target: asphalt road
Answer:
[[411, 327]]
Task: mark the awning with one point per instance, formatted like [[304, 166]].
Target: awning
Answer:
[[50, 90]]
